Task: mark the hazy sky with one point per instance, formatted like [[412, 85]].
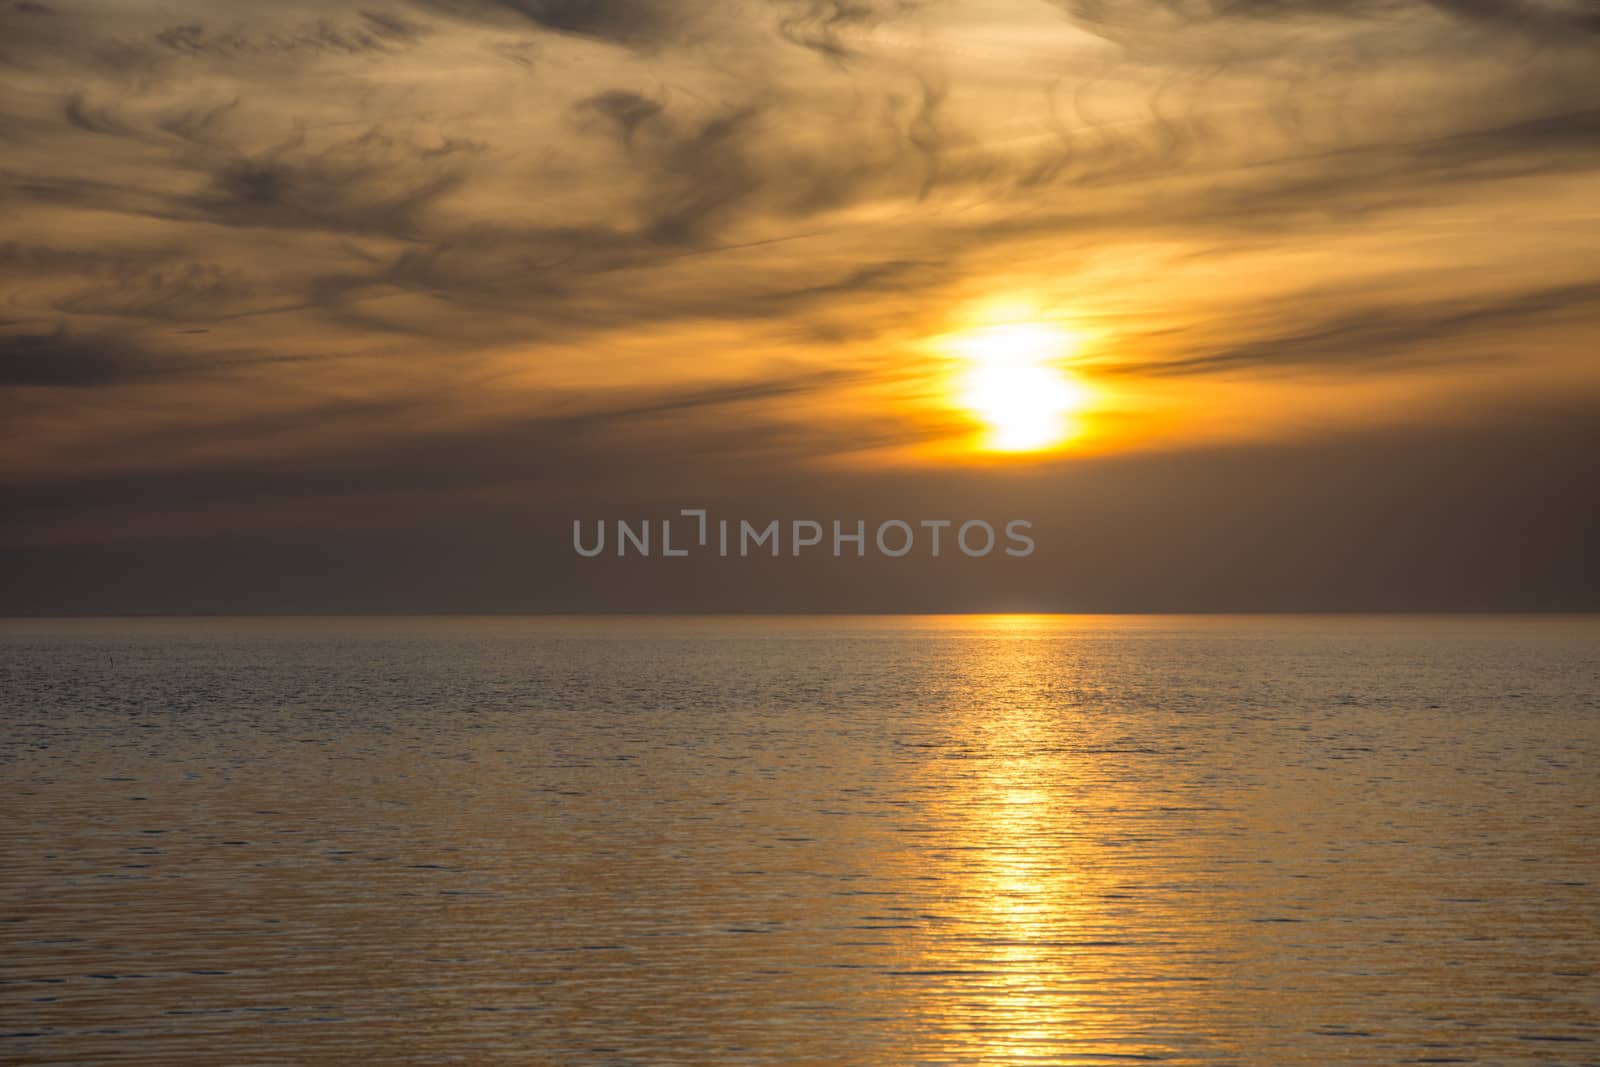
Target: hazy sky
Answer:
[[321, 307]]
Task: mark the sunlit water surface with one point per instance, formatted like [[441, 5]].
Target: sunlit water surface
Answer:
[[802, 841]]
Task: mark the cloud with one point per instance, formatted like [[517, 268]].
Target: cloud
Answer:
[[91, 119], [1129, 20], [689, 173], [367, 33], [66, 360], [627, 111], [636, 23], [576, 440], [371, 183], [1395, 336], [1559, 140], [1550, 20], [828, 26]]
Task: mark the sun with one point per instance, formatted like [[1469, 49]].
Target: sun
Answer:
[[1011, 381]]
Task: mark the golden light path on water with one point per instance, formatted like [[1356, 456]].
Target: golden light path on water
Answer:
[[1039, 930]]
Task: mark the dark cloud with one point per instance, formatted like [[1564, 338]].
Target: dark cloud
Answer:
[[1305, 193], [1395, 336], [199, 124], [862, 282], [163, 283], [1129, 19], [1535, 145], [80, 360], [90, 118], [132, 48], [1552, 20], [700, 176], [67, 360], [826, 26], [690, 173], [1337, 82], [99, 194], [175, 290], [689, 179], [626, 111], [637, 23], [367, 33], [373, 183], [558, 450], [20, 259]]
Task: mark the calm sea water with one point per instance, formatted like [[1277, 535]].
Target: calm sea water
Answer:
[[886, 842]]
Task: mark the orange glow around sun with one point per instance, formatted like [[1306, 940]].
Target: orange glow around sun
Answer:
[[1011, 380]]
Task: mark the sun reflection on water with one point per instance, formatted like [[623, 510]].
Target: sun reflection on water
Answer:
[[1041, 928]]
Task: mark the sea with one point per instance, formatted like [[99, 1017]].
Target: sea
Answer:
[[874, 841]]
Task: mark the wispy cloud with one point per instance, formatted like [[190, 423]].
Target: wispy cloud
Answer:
[[65, 360], [481, 218], [1393, 336]]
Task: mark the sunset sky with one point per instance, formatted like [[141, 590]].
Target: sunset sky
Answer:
[[1246, 306]]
